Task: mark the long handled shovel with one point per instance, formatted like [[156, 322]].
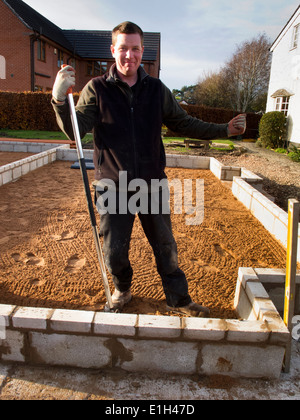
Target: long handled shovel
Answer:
[[109, 306]]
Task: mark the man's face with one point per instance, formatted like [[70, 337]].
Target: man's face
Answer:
[[128, 53]]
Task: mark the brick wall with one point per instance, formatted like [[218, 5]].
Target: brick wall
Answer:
[[46, 71], [15, 48]]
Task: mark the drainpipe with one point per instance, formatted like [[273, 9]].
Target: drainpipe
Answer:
[[33, 39]]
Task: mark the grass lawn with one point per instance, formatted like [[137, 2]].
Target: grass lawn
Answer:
[[58, 135], [215, 143], [39, 135]]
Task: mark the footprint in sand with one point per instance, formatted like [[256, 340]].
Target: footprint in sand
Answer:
[[17, 257], [61, 217], [30, 259], [204, 266], [219, 250], [67, 235], [223, 251], [37, 282], [75, 264], [34, 260]]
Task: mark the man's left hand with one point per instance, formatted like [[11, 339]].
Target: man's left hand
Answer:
[[237, 126]]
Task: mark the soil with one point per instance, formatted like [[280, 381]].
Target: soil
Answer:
[[281, 176], [47, 256], [9, 157]]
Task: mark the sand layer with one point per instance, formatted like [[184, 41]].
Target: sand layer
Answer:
[[47, 256], [9, 157]]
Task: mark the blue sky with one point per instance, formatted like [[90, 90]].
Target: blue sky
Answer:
[[197, 35]]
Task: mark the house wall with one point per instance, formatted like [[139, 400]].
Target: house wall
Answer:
[[46, 71], [285, 74], [15, 48], [81, 72], [15, 58]]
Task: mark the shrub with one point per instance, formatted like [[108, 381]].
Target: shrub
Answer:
[[294, 154], [259, 142], [281, 151], [272, 130]]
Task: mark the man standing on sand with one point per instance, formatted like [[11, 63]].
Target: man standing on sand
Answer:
[[126, 109]]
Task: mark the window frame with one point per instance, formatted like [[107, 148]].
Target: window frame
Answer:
[[282, 104], [60, 58], [41, 50], [96, 68]]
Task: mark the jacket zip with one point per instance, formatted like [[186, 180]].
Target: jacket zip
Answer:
[[129, 96], [136, 171]]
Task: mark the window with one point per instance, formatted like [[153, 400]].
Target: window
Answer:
[[41, 50], [73, 63], [296, 33], [282, 104], [96, 68], [60, 58]]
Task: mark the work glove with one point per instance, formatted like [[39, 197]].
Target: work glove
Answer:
[[65, 80], [237, 126]]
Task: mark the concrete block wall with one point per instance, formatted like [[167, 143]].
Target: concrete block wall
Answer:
[[252, 347], [28, 146], [272, 217], [15, 170], [142, 343], [188, 162], [252, 302], [70, 155], [273, 281], [222, 172]]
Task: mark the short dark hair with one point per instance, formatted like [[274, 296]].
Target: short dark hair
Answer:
[[127, 28]]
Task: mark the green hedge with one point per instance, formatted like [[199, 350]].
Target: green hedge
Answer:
[[27, 111], [33, 111], [220, 116]]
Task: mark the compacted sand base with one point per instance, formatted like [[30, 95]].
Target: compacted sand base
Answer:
[[9, 157], [47, 256]]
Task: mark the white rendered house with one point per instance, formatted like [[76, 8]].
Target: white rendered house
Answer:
[[284, 87]]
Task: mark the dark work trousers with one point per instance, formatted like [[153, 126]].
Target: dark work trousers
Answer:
[[117, 229]]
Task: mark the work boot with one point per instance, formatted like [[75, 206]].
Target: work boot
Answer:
[[119, 300], [192, 310]]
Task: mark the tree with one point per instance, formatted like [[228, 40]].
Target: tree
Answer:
[[241, 84], [186, 93], [178, 94], [210, 92], [247, 73]]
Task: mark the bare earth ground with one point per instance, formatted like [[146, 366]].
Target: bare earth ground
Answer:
[[9, 157], [280, 174], [47, 256], [38, 383]]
